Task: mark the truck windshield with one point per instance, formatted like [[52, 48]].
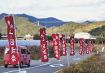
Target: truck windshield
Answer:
[[23, 51]]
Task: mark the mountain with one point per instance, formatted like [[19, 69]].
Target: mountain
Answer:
[[2, 15], [88, 22], [30, 18], [26, 24], [47, 22], [51, 22]]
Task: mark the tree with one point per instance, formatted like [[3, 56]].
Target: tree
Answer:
[[36, 37]]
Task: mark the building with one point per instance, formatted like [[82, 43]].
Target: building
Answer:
[[28, 37], [83, 35]]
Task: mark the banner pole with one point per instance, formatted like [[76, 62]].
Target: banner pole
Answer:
[[68, 63], [15, 28]]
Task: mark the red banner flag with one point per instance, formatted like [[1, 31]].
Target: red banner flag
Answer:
[[89, 47], [43, 45], [72, 53], [14, 57], [63, 51], [81, 43], [55, 38]]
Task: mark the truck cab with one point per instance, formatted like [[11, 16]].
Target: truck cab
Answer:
[[24, 56]]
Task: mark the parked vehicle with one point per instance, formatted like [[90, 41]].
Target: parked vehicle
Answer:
[[24, 56]]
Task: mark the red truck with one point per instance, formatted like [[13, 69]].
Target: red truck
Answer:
[[24, 56]]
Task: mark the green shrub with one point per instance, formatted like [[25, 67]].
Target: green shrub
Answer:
[[36, 37], [35, 52]]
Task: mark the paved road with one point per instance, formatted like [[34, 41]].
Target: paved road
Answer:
[[49, 67]]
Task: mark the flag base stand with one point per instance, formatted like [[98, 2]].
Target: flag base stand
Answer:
[[68, 58]]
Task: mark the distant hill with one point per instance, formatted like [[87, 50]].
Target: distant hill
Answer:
[[72, 28], [2, 15], [47, 22], [87, 22]]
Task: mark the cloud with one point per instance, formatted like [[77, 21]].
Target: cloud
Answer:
[[75, 10]]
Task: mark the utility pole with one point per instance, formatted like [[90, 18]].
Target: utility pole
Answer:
[[38, 23]]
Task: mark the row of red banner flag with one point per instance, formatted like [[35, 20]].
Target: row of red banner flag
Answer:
[[60, 46]]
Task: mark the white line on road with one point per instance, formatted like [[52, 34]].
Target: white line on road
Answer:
[[1, 66], [27, 68]]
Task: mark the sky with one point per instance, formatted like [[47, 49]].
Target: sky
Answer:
[[66, 10]]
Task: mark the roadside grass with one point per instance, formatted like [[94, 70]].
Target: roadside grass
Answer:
[[1, 62], [94, 64], [1, 55]]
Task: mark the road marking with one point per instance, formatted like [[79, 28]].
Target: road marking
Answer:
[[1, 66], [36, 66], [27, 68], [56, 65], [10, 71], [76, 58]]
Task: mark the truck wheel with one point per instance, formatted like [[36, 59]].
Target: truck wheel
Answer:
[[21, 64], [28, 64], [6, 65], [14, 66]]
